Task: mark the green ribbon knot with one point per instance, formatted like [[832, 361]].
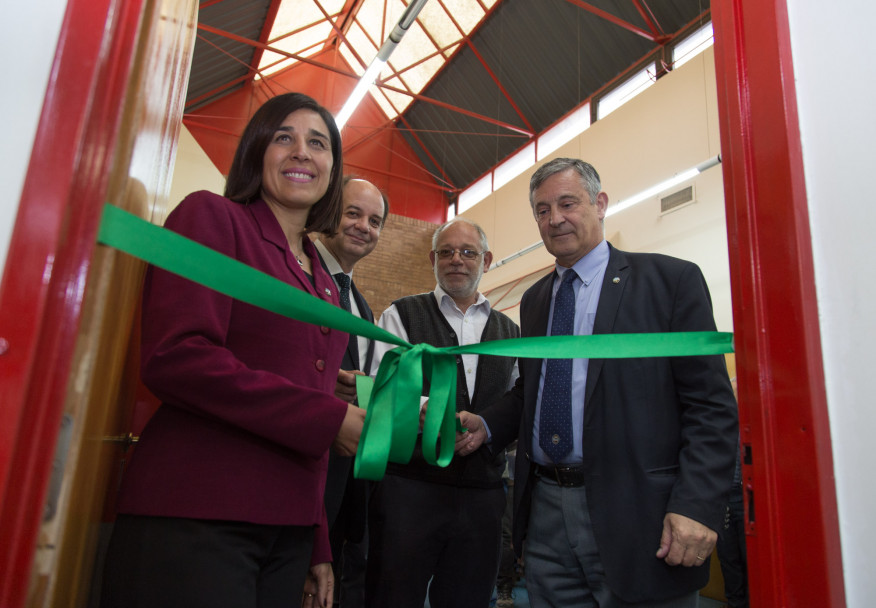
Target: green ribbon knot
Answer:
[[392, 420]]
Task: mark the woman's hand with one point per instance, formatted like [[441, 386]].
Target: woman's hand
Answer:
[[345, 387], [319, 587], [347, 440]]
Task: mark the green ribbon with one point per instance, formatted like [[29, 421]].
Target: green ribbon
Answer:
[[392, 401]]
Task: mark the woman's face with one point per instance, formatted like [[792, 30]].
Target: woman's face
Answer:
[[298, 161]]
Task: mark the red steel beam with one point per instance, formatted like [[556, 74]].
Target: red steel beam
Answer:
[[499, 84], [461, 46], [340, 34], [617, 21], [487, 119], [425, 149], [648, 16], [270, 17], [419, 182], [388, 124], [199, 125]]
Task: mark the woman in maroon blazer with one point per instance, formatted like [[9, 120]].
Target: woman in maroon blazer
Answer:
[[222, 503]]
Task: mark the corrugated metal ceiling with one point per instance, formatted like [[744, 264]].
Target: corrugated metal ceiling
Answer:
[[548, 55]]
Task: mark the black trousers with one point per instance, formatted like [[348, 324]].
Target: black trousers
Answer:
[[168, 562], [429, 535]]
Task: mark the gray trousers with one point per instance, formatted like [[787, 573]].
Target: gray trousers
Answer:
[[563, 567]]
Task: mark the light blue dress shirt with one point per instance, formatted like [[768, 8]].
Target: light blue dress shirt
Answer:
[[588, 286]]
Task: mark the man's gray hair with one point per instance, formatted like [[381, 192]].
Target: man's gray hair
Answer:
[[589, 177], [482, 237]]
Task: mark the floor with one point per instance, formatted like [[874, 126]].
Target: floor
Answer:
[[521, 599]]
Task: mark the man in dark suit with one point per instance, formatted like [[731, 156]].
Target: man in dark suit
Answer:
[[363, 217], [623, 465]]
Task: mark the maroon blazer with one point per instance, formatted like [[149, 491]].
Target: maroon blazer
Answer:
[[248, 408]]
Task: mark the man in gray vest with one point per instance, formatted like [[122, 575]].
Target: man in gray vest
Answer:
[[433, 527]]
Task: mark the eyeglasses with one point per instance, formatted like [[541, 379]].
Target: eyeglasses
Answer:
[[468, 254]]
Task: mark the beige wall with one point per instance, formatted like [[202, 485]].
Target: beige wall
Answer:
[[193, 170], [670, 127]]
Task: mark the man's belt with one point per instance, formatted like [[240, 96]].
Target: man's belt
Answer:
[[567, 476]]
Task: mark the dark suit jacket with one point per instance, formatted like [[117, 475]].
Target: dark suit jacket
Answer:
[[340, 481], [659, 433], [249, 411]]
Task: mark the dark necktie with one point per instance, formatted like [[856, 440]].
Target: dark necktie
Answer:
[[344, 283], [555, 423], [344, 296]]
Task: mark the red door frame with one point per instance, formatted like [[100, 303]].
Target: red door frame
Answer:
[[48, 262], [793, 542]]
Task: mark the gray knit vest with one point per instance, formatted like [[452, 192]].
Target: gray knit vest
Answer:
[[424, 322]]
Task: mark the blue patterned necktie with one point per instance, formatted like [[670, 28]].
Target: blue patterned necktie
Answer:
[[555, 423], [344, 283]]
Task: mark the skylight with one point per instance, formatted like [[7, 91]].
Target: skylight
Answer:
[[301, 28]]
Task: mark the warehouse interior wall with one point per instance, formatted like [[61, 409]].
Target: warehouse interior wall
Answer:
[[835, 100], [665, 130]]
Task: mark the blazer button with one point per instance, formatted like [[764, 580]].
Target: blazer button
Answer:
[[324, 329], [320, 364]]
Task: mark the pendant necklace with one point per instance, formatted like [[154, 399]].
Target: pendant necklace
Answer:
[[297, 257]]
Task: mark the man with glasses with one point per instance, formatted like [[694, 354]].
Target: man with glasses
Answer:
[[441, 527]]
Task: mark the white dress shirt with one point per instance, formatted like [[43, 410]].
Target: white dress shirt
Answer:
[[334, 267], [468, 325]]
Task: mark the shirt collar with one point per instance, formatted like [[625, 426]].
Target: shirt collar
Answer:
[[589, 267], [444, 298], [330, 262]]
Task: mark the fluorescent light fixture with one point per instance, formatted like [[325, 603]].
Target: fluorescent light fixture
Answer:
[[405, 21], [517, 254], [664, 185], [358, 93], [694, 44]]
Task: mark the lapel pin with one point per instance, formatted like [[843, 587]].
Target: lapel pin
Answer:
[[616, 280], [328, 292]]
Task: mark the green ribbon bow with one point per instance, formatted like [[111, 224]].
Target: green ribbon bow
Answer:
[[392, 401]]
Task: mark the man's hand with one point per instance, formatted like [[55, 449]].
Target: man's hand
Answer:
[[347, 441], [319, 587], [345, 387], [685, 541], [424, 407], [474, 436]]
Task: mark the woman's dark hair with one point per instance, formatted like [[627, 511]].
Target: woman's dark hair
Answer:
[[244, 183]]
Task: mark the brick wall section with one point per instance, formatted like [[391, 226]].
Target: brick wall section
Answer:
[[399, 265]]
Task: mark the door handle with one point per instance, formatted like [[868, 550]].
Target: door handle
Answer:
[[126, 440]]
